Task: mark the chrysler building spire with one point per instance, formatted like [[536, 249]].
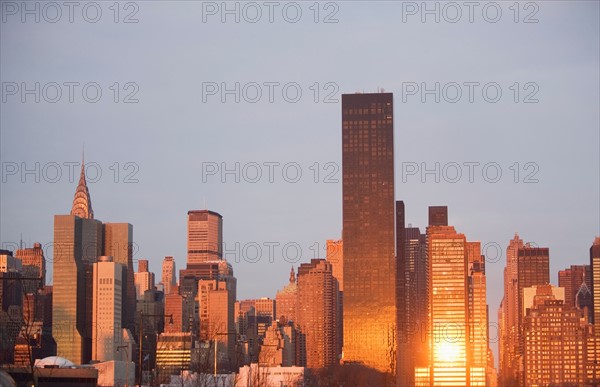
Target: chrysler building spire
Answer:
[[82, 203]]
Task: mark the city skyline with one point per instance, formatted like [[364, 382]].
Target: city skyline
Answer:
[[177, 150], [489, 135], [77, 203], [437, 216]]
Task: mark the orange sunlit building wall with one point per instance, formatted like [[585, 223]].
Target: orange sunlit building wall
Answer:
[[369, 247], [478, 320], [457, 328], [449, 306]]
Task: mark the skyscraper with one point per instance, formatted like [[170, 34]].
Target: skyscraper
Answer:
[[571, 280], [205, 236], [82, 202], [559, 348], [335, 255], [508, 344], [245, 322], [317, 314], [143, 279], [266, 313], [438, 215], [369, 231], [457, 331], [404, 352], [34, 265], [209, 286], [217, 319], [286, 300], [168, 274], [449, 309], [416, 296], [477, 319], [77, 245], [107, 305], [595, 264], [118, 243], [533, 268], [175, 307]]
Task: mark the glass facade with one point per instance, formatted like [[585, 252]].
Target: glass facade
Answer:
[[478, 320], [369, 231], [449, 307], [77, 244]]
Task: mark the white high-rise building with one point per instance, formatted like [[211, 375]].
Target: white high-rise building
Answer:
[[107, 304]]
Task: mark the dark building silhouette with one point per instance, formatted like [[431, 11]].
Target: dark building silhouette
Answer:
[[438, 216]]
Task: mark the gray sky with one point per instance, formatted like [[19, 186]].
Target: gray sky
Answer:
[[171, 60]]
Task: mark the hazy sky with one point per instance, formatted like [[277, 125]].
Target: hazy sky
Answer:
[[179, 56]]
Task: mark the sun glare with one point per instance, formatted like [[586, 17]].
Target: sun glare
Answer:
[[448, 352]]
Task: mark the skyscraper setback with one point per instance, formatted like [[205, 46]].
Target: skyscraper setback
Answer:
[[369, 231]]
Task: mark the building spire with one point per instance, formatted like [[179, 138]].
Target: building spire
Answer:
[[82, 203], [292, 276]]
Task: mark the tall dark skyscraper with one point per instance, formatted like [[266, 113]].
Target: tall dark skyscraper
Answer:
[[438, 216], [370, 276]]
